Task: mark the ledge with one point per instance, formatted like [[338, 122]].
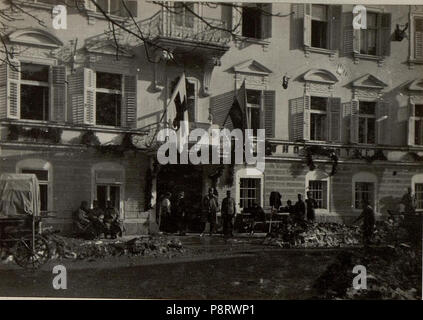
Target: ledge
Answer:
[[261, 42], [329, 52], [45, 124], [357, 56]]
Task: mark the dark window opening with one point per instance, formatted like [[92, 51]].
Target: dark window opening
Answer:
[[191, 100], [108, 109], [34, 102], [111, 81], [252, 22], [318, 127], [42, 176], [369, 36]]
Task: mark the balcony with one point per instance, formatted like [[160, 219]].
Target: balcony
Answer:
[[199, 41], [355, 153]]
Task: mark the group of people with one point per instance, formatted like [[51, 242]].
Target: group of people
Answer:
[[173, 215], [301, 211], [92, 223]]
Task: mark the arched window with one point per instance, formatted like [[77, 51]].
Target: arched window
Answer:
[[364, 186], [417, 190], [108, 184], [43, 170], [318, 183]]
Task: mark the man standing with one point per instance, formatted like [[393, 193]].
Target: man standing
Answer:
[[408, 201], [311, 205], [210, 208], [180, 213], [369, 220], [300, 208], [228, 213], [165, 208]]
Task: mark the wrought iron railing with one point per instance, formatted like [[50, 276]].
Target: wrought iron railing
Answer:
[[170, 25]]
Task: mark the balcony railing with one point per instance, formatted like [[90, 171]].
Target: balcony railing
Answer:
[[169, 25]]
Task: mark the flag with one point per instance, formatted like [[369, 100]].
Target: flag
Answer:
[[177, 111], [238, 112]]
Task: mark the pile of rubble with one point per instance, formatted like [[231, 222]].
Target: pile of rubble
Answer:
[[70, 248], [330, 235], [78, 249], [393, 272]]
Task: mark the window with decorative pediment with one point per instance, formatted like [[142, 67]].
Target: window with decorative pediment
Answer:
[[368, 113], [316, 116], [33, 87]]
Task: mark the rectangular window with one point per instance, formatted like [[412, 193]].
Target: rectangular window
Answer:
[[367, 122], [418, 126], [108, 193], [191, 100], [363, 191], [319, 191], [254, 109], [418, 187], [184, 16], [250, 192], [318, 118], [256, 20], [117, 8], [108, 99], [35, 92], [42, 176], [319, 26], [368, 36]]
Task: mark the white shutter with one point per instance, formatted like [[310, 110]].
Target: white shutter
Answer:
[[411, 139], [89, 96], [58, 88], [347, 34], [266, 21], [335, 26], [10, 90], [418, 38], [354, 121], [306, 123], [382, 123], [296, 109], [307, 25], [334, 119], [130, 106], [82, 96]]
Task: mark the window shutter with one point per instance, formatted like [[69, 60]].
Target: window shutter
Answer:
[[334, 119], [82, 96], [89, 5], [356, 40], [348, 34], [296, 110], [354, 121], [90, 85], [132, 6], [219, 108], [59, 93], [346, 116], [418, 38], [13, 101], [269, 113], [307, 25], [335, 26], [385, 34], [266, 20], [382, 123], [130, 106], [306, 123], [297, 26], [411, 140], [237, 18]]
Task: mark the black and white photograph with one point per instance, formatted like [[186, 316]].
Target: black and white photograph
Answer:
[[211, 150]]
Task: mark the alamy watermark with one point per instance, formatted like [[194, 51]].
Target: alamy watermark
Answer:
[[223, 143]]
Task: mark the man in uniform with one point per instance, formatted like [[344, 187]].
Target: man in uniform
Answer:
[[228, 213], [210, 208]]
